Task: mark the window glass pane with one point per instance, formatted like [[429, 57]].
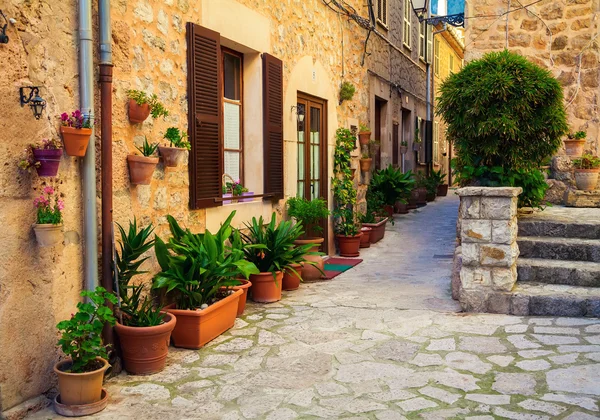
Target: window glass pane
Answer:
[[315, 124], [316, 162], [315, 190], [300, 160], [301, 189], [232, 66], [232, 164], [231, 125]]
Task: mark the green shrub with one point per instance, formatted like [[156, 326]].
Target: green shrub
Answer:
[[308, 212], [342, 184], [586, 162], [392, 184], [347, 90]]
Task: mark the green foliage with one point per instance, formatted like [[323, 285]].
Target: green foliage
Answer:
[[147, 149], [197, 265], [308, 212], [157, 109], [343, 184], [138, 309], [437, 177], [347, 90], [177, 138], [586, 162], [81, 338], [392, 184], [579, 135], [364, 128]]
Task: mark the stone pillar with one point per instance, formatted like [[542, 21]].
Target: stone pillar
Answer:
[[488, 236]]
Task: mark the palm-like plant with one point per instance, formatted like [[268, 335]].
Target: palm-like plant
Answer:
[[392, 184]]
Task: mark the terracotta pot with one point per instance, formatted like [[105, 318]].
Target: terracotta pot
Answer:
[[144, 349], [80, 388], [76, 140], [378, 230], [141, 169], [364, 137], [138, 113], [48, 234], [195, 328], [172, 156], [83, 409], [430, 196], [416, 147], [389, 210], [574, 148], [310, 272], [244, 296], [401, 208], [349, 245], [422, 198], [586, 179], [403, 150], [49, 160], [412, 200], [365, 239], [365, 164], [291, 281], [265, 288], [442, 190]]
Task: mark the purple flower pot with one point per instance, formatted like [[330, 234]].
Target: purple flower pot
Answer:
[[227, 195], [245, 194], [49, 161]]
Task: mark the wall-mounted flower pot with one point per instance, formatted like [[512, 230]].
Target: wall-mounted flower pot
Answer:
[[49, 160], [574, 148], [172, 156], [195, 328], [144, 349], [349, 245], [586, 179], [378, 229], [365, 164], [291, 280], [245, 194], [76, 140], [80, 388], [138, 113], [422, 196], [401, 208], [244, 287], [365, 239], [310, 272], [265, 288], [416, 146], [364, 137], [48, 234], [403, 150], [229, 195], [141, 169], [442, 190]]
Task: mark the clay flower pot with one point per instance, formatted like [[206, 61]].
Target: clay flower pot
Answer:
[[349, 245], [412, 200], [403, 150], [49, 160], [138, 113], [378, 230], [586, 179], [442, 190], [172, 156], [365, 164], [265, 288], [291, 280], [416, 146], [422, 197], [430, 196], [244, 296], [145, 349], [76, 140], [365, 239], [195, 328], [141, 169], [83, 409], [310, 272], [48, 234], [574, 148], [80, 388], [364, 137], [401, 208]]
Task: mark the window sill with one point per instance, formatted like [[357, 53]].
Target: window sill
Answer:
[[408, 47], [383, 25], [244, 213]]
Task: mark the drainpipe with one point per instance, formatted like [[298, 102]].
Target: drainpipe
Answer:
[[86, 94]]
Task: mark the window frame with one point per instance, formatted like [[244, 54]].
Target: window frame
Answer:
[[382, 13], [422, 39], [406, 25], [224, 51], [436, 142], [436, 57]]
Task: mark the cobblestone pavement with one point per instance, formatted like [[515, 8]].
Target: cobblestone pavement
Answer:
[[381, 341]]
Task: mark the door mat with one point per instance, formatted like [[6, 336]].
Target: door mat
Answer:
[[336, 266]]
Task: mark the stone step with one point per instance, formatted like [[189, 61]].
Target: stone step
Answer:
[[540, 299], [573, 273], [560, 229], [551, 248]]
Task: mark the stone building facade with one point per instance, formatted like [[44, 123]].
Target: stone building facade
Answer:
[[39, 287]]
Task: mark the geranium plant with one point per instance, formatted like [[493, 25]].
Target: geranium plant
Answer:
[[29, 161], [235, 187], [49, 207], [76, 120]]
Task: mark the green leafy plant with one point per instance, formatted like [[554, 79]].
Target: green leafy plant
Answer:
[[364, 128], [365, 156], [195, 266], [392, 185], [404, 143], [343, 185], [437, 177], [308, 212], [347, 90], [177, 138], [81, 337], [147, 149], [235, 187], [579, 135], [157, 109], [586, 161], [49, 207]]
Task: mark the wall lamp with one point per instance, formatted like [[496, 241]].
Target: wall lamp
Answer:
[[35, 101], [3, 36], [299, 110]]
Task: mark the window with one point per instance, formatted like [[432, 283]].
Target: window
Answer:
[[422, 39], [406, 26], [451, 65], [382, 12], [436, 57], [436, 141], [429, 43], [232, 114]]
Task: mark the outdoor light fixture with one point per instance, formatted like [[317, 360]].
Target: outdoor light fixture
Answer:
[[35, 101], [3, 36], [420, 7], [432, 12], [299, 109]]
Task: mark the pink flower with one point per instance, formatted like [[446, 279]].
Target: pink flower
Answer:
[[60, 204], [49, 190], [64, 116]]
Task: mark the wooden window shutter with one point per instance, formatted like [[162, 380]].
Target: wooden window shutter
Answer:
[[273, 124], [204, 116]]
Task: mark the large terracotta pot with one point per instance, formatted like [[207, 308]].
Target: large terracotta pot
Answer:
[[422, 199], [195, 328], [349, 245], [76, 140], [401, 208], [442, 190], [138, 113], [172, 156], [244, 296], [310, 272], [364, 137], [365, 239], [49, 160], [586, 179], [48, 234], [574, 148], [378, 230], [141, 169], [291, 280], [430, 196], [80, 388], [265, 288], [365, 164], [145, 349], [412, 200]]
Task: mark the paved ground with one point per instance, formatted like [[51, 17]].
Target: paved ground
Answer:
[[382, 341]]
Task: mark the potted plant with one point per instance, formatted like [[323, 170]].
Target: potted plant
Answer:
[[141, 168], [48, 226], [365, 162], [365, 239], [364, 135], [421, 188], [144, 330], [310, 213], [392, 186], [236, 189], [347, 90], [197, 270], [44, 157], [586, 172], [141, 105], [76, 131], [80, 376], [417, 140], [575, 143], [438, 178], [403, 147], [174, 154], [372, 218]]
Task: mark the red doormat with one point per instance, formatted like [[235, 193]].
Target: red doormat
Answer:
[[336, 266]]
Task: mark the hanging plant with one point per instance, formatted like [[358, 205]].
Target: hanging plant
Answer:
[[347, 90]]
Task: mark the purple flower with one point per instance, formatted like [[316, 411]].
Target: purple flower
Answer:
[[49, 190], [64, 116], [60, 204]]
